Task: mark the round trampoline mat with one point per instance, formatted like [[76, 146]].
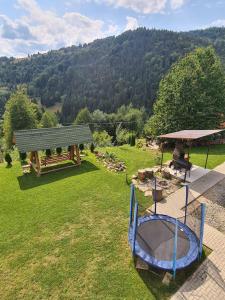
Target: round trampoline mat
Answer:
[[155, 242], [156, 238]]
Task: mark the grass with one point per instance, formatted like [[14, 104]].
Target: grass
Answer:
[[64, 235], [137, 158], [198, 156]]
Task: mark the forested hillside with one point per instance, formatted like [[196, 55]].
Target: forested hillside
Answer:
[[107, 73]]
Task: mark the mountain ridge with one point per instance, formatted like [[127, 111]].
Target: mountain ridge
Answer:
[[106, 73]]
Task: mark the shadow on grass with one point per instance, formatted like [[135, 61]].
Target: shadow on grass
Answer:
[[29, 181]]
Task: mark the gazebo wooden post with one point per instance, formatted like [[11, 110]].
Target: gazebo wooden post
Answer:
[[77, 154], [162, 153], [38, 165], [31, 156], [72, 152]]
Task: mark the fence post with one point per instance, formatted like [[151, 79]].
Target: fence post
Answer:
[[207, 156], [175, 251], [154, 197], [162, 152], [186, 202], [202, 229], [131, 202], [134, 227]]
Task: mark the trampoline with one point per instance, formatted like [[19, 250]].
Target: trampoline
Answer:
[[165, 242]]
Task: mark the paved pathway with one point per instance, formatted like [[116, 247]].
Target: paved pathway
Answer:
[[173, 204], [208, 281], [195, 174]]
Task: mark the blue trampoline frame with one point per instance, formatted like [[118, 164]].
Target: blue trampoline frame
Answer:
[[183, 262], [195, 243]]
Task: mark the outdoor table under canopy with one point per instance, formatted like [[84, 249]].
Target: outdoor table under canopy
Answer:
[[188, 136], [35, 140]]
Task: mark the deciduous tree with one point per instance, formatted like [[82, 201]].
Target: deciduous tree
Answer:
[[48, 120], [83, 117], [19, 114], [191, 95]]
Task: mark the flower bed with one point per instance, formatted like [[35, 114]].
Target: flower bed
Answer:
[[110, 161]]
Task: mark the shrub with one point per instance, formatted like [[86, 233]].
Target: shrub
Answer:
[[110, 155], [102, 138], [8, 159], [58, 150], [122, 136], [23, 156], [139, 144], [132, 140], [157, 158], [92, 147], [48, 152], [69, 148], [81, 147]]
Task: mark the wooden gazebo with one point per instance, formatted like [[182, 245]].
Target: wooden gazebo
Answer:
[[189, 136], [34, 140]]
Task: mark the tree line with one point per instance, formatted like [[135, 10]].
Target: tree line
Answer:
[[21, 113], [106, 73], [190, 96]]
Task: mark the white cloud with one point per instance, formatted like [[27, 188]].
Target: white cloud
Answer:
[[218, 23], [175, 4], [13, 30], [41, 30], [145, 6], [140, 6], [132, 23]]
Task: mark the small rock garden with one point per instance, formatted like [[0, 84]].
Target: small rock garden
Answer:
[[110, 161], [156, 180]]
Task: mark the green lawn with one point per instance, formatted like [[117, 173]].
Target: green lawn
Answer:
[[136, 158], [64, 235]]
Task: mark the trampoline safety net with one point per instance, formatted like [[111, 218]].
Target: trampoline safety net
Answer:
[[164, 241]]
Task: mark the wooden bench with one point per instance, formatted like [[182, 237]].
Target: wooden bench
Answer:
[[26, 169], [54, 159]]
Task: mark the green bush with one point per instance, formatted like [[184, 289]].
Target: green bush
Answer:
[[48, 152], [23, 156], [8, 159], [122, 136], [110, 155], [132, 140], [81, 147], [157, 158], [139, 144], [92, 147], [58, 150], [102, 138]]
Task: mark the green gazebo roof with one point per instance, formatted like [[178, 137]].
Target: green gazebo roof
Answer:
[[49, 138]]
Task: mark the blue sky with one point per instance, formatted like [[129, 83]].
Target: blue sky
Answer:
[[31, 26]]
